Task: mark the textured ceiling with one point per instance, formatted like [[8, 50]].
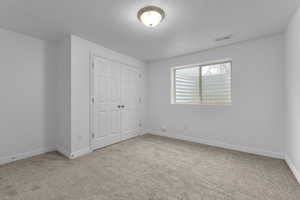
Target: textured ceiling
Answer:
[[189, 26]]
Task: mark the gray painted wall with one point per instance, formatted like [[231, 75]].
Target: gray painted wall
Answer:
[[27, 85], [81, 51], [253, 123], [292, 94]]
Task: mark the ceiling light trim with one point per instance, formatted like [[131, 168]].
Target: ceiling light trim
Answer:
[[149, 9]]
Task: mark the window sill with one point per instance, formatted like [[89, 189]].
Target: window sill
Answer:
[[198, 104]]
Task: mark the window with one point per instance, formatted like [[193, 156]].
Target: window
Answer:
[[202, 84]]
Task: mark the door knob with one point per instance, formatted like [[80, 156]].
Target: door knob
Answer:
[[119, 106], [122, 106]]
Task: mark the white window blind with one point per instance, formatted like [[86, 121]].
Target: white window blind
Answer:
[[203, 84]]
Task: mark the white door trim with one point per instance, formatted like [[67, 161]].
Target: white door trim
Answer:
[[91, 96], [94, 55]]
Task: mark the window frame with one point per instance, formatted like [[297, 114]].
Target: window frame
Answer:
[[200, 65]]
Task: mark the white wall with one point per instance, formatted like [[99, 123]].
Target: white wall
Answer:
[[27, 85], [63, 135], [293, 94], [254, 122], [44, 104], [80, 83], [45, 93]]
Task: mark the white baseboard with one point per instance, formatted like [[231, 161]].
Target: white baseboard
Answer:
[[143, 132], [128, 136], [293, 168], [79, 153], [63, 151], [20, 156], [221, 144]]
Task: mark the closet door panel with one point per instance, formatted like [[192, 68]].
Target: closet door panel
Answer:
[[101, 123], [130, 93], [106, 112], [115, 122], [117, 104], [115, 98]]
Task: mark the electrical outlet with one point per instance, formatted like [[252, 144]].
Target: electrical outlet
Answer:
[[163, 129], [13, 158]]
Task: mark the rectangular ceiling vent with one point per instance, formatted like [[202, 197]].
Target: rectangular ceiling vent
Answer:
[[227, 37]]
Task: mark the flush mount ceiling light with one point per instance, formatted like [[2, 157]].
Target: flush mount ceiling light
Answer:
[[151, 15]]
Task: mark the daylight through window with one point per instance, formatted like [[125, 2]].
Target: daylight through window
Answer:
[[202, 84]]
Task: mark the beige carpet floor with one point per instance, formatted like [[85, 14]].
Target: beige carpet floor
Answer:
[[150, 168]]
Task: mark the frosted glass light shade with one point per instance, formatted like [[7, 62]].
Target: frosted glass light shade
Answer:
[[151, 16]]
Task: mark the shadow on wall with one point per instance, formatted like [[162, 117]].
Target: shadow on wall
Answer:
[[50, 85], [27, 84]]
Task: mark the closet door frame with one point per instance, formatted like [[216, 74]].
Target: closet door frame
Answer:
[[92, 95]]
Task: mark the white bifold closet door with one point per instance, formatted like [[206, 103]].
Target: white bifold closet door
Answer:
[[130, 93], [115, 106]]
